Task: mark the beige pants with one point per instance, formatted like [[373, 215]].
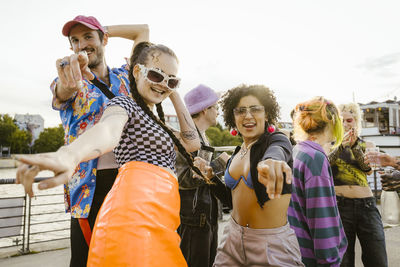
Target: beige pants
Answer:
[[243, 246]]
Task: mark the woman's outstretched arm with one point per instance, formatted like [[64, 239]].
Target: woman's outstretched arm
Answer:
[[96, 141]]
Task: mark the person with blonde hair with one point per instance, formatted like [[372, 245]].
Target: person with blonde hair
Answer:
[[356, 203], [313, 213]]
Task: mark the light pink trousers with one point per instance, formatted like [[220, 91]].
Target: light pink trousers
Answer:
[[243, 246]]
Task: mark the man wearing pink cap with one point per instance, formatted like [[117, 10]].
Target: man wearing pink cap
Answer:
[[199, 206], [81, 102]]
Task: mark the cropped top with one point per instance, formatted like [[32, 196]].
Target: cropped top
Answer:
[[142, 138], [348, 166], [232, 183], [269, 146]]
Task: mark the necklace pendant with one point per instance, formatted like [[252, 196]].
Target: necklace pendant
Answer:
[[243, 152]]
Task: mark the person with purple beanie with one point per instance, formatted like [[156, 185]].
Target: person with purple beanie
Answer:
[[313, 213], [199, 205]]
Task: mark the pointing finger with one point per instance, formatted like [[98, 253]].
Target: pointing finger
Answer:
[[53, 182], [278, 179], [76, 71], [288, 174]]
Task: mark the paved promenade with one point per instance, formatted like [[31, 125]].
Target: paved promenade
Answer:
[[60, 258]]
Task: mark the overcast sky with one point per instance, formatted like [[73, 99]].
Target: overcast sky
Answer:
[[299, 48]]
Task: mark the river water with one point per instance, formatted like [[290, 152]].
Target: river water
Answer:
[[45, 201]]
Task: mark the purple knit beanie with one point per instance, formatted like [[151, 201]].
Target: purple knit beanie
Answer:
[[200, 98]]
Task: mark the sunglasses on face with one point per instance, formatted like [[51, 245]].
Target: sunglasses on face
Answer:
[[242, 111], [156, 76]]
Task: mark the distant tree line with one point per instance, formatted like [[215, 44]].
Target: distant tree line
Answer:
[[20, 140], [219, 136], [50, 139]]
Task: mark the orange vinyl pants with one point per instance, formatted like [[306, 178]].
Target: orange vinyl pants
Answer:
[[136, 225]]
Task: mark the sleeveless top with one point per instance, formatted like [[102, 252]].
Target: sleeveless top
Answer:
[[348, 166], [142, 138]]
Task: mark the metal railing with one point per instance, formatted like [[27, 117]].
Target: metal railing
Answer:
[[29, 224], [5, 152]]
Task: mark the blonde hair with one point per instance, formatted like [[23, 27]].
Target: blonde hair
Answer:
[[355, 110], [312, 117]]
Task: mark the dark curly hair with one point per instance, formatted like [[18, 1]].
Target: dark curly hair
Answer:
[[231, 99], [140, 55]]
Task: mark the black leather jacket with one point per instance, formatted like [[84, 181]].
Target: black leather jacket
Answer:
[[276, 146], [198, 199]]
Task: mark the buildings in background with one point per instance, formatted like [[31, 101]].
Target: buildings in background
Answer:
[[31, 123], [381, 125]]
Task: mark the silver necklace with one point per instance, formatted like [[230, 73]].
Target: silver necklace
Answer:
[[243, 151]]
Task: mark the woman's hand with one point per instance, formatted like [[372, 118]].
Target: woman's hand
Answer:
[[271, 174], [383, 159], [349, 137], [204, 167], [59, 162]]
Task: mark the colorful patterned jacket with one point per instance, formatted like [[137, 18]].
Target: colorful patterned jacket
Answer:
[[79, 113]]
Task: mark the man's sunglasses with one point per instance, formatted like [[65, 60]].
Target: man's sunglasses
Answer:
[[156, 76]]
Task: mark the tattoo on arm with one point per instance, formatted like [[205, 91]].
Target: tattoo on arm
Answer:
[[117, 113], [190, 125], [189, 135]]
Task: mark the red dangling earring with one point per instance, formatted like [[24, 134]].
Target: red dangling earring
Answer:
[[234, 132], [271, 128]]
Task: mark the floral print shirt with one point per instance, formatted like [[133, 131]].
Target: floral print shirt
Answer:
[[79, 113]]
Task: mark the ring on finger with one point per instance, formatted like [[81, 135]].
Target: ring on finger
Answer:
[[64, 63]]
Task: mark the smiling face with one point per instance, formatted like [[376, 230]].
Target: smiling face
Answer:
[[251, 125], [84, 39], [154, 93]]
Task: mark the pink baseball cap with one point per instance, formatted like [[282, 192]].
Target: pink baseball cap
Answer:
[[90, 22]]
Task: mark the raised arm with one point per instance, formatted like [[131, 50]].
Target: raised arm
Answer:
[[188, 133], [71, 70], [135, 32], [96, 141]]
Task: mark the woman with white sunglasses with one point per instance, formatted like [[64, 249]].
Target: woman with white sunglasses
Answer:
[[137, 222]]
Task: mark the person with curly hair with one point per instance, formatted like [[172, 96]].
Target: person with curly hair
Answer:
[[357, 205], [313, 212], [136, 225], [259, 175]]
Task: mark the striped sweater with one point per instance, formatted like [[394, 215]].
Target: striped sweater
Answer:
[[313, 212]]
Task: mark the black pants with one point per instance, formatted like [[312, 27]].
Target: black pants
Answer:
[[79, 249], [361, 218], [199, 244], [199, 226]]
